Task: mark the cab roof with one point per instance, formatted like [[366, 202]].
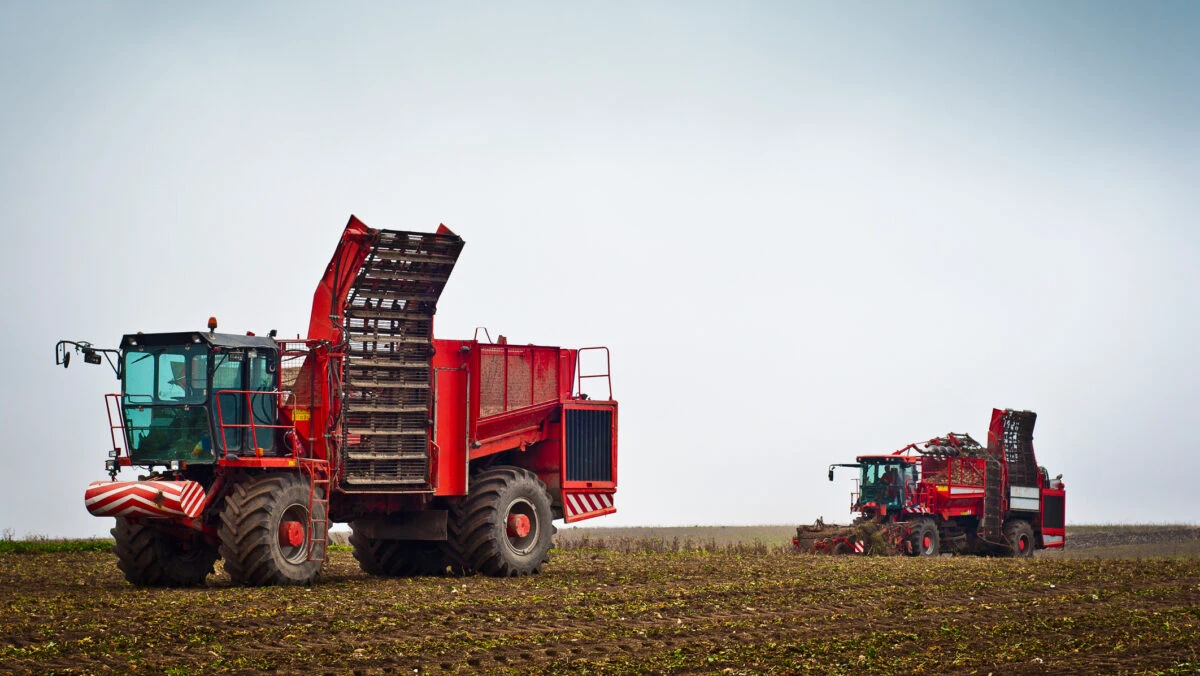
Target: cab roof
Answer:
[[889, 458], [225, 340]]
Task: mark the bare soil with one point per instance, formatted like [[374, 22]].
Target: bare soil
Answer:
[[602, 611]]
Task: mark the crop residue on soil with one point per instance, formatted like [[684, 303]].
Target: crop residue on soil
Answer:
[[605, 612]]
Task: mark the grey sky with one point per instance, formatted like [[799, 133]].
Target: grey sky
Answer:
[[806, 231]]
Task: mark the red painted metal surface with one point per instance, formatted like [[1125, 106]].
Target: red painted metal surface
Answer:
[[518, 526], [291, 533]]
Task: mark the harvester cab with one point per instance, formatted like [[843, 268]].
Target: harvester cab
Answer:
[[178, 387], [886, 484]]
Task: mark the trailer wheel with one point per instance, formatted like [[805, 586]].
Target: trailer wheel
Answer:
[[1019, 535], [397, 558], [150, 557], [265, 531], [924, 540], [842, 548], [503, 527]]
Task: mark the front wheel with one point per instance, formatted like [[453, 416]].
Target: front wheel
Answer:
[[266, 531], [1019, 535], [151, 557], [503, 527]]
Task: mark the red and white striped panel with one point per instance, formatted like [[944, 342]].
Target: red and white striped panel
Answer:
[[586, 505], [858, 547], [145, 498]]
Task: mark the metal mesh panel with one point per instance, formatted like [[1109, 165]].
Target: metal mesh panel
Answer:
[[545, 376], [491, 381], [520, 383]]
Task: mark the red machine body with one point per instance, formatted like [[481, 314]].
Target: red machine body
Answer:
[[413, 440], [950, 494]]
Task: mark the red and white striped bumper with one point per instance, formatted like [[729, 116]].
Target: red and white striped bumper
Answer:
[[585, 505], [160, 499]]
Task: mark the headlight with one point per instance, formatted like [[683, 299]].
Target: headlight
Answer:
[[110, 465]]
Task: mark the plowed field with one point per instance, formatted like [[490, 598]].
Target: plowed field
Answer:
[[606, 612]]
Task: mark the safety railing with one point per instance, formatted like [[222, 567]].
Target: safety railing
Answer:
[[252, 425], [580, 376]]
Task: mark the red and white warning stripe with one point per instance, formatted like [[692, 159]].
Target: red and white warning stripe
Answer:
[[145, 498], [586, 505], [858, 547]]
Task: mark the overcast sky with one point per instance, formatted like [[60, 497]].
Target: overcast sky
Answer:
[[806, 231]]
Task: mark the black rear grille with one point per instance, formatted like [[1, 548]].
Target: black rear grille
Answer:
[[589, 444], [1053, 511]]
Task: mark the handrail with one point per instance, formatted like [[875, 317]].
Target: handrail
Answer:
[[579, 376], [252, 425], [115, 454], [109, 400]]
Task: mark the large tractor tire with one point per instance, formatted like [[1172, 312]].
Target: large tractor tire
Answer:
[[1019, 535], [397, 558], [150, 557], [924, 539], [265, 531], [502, 528]]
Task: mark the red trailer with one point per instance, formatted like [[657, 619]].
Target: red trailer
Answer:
[[443, 455], [950, 494]]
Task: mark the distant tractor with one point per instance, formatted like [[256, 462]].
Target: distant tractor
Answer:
[[950, 494], [443, 455]]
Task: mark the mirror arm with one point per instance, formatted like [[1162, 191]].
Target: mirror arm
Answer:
[[63, 348]]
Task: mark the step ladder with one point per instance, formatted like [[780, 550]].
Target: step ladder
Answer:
[[992, 523], [317, 473], [386, 406]]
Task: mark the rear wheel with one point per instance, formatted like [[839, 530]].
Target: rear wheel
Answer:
[[503, 527], [842, 548], [397, 558], [266, 531], [924, 539], [150, 557], [1019, 535]]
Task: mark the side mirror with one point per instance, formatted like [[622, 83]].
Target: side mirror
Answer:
[[831, 474], [66, 360]]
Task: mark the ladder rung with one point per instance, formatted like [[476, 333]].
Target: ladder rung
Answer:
[[371, 274], [397, 255]]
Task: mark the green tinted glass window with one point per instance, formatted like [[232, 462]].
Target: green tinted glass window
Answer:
[[165, 433], [166, 375]]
